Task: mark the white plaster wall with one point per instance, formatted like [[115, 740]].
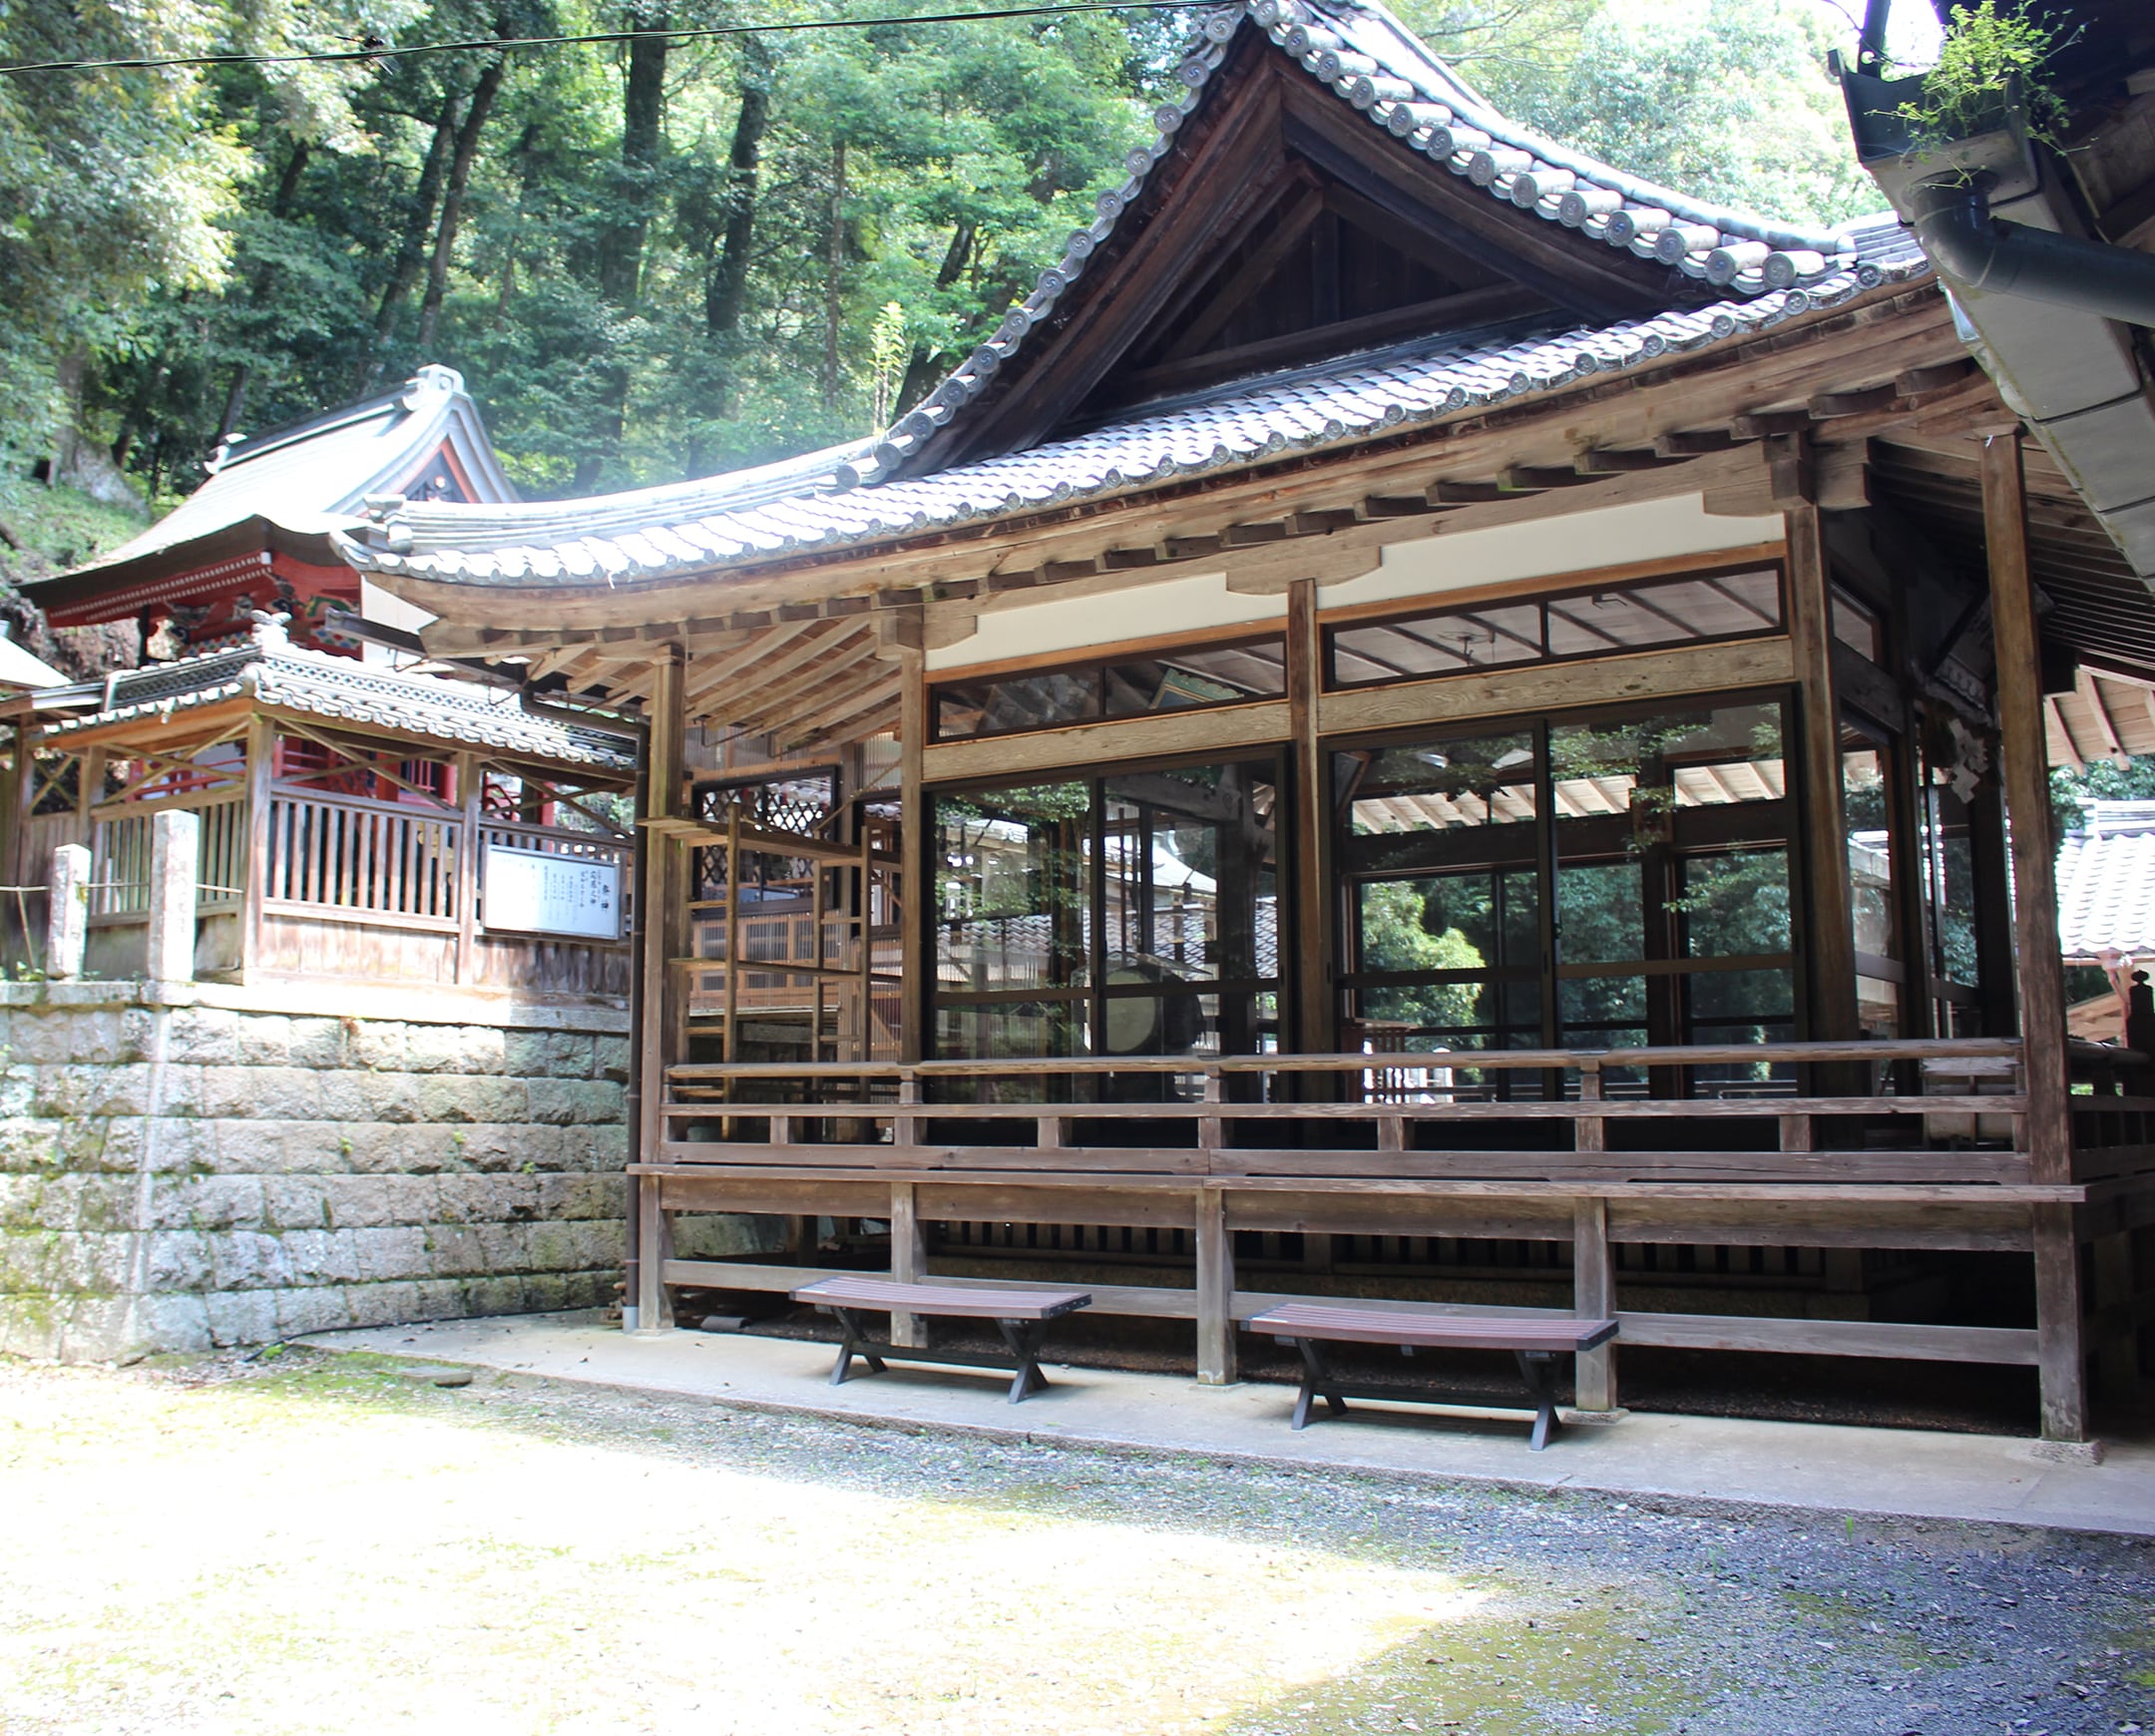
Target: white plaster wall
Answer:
[[1143, 611], [1650, 529], [1647, 530]]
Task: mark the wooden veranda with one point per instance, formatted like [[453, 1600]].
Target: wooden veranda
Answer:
[[1421, 723]]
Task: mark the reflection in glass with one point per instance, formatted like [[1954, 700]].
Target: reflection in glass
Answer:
[[1177, 681], [1605, 622], [1483, 780], [1135, 915]]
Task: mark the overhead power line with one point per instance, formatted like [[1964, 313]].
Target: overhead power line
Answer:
[[371, 49]]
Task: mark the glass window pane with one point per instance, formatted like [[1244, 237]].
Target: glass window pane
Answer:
[[1867, 813], [1735, 905], [1211, 675], [1477, 781], [1606, 623], [1440, 645], [990, 708], [1191, 898], [1013, 887]]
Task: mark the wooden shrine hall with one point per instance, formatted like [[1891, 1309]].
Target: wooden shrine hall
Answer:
[[1423, 714]]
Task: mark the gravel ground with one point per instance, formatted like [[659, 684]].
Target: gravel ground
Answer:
[[307, 1543]]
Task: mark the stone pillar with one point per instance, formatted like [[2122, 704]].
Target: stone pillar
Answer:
[[67, 921], [174, 851]]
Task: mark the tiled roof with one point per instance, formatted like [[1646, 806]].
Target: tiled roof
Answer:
[[852, 495], [313, 475], [1375, 64], [2106, 882], [687, 526], [274, 672]]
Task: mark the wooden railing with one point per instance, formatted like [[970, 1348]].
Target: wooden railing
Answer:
[[364, 861], [120, 848], [1335, 1116]]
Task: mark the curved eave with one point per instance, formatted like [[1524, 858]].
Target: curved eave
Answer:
[[460, 584], [1374, 64]]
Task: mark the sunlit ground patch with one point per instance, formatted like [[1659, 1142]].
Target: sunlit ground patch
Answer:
[[289, 1555]]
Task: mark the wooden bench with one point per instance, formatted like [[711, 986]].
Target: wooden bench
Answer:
[[1535, 1340], [1022, 1317]]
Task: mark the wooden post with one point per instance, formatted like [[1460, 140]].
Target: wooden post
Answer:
[[908, 1262], [1316, 1014], [17, 786], [1594, 1297], [2061, 1359], [1216, 1290], [916, 884], [653, 982], [654, 1304], [2025, 763], [1829, 924], [260, 776], [470, 787]]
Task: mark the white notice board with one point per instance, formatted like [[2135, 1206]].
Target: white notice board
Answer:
[[540, 893]]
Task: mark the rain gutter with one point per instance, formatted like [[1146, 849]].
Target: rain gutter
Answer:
[[2048, 309]]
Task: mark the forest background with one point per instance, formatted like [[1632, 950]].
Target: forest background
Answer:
[[671, 259]]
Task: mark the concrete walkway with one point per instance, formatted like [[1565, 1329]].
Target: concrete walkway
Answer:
[[1692, 1460]]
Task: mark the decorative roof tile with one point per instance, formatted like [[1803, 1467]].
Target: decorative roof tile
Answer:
[[274, 672]]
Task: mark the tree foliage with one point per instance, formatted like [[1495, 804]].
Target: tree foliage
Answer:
[[677, 256]]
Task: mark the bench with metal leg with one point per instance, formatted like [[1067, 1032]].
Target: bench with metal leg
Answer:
[[1021, 1316], [1534, 1340]]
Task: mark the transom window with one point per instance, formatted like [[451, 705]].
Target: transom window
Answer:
[[1121, 687], [1606, 621]]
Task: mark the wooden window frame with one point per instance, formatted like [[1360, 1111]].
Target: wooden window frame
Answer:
[[1095, 663], [1539, 595]]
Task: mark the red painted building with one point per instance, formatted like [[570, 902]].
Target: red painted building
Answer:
[[257, 534]]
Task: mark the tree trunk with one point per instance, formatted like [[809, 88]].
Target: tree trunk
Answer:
[[452, 211], [411, 248], [834, 278], [726, 289], [621, 258], [620, 263]]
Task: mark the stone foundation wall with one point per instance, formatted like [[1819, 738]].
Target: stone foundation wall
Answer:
[[177, 1175]]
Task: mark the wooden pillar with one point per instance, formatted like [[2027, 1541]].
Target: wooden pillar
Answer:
[[1317, 1013], [916, 884], [1594, 1297], [1215, 1291], [908, 1262], [659, 920], [471, 787], [260, 775], [16, 788], [1828, 926], [2025, 763]]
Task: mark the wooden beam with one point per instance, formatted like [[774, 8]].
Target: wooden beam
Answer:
[[660, 919], [1594, 1297], [2091, 692], [914, 883], [2026, 777], [1216, 1290], [1829, 937], [1316, 1008], [1533, 690]]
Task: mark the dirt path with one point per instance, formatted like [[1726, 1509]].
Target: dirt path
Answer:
[[315, 1543]]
